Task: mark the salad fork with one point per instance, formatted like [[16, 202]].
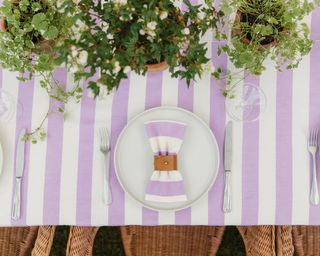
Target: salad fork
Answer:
[[105, 149], [313, 149]]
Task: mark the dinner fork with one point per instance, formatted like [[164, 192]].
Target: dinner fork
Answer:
[[313, 149], [105, 149]]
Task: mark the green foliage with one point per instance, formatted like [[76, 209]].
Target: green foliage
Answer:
[[125, 35], [261, 22]]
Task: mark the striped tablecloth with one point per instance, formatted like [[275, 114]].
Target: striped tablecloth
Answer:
[[271, 177]]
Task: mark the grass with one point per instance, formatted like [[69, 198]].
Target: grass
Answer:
[[108, 242]]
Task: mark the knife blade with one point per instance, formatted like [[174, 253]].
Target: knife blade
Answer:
[[19, 175], [227, 206], [20, 155]]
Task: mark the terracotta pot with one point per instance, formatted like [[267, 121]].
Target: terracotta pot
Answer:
[[3, 24], [237, 31], [157, 67]]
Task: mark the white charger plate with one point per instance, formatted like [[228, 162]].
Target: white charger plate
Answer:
[[198, 159]]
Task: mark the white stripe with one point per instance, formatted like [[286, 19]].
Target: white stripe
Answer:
[[201, 107], [165, 199], [7, 135], [136, 105], [99, 209], [267, 148], [166, 176], [37, 163], [69, 162], [234, 217], [169, 98], [300, 156], [165, 144], [169, 90]]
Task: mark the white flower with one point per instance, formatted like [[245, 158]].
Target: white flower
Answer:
[[186, 31], [104, 93], [104, 26], [145, 6], [142, 32], [82, 57], [127, 69], [116, 67], [163, 15], [120, 2], [201, 15], [152, 25], [73, 68], [91, 94], [151, 33], [208, 67], [150, 38], [176, 3], [110, 36]]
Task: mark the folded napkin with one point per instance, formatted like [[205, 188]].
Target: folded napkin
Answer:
[[166, 184]]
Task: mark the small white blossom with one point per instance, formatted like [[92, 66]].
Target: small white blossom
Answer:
[[127, 69], [142, 32], [208, 67], [201, 15], [145, 6], [116, 67], [110, 36], [186, 31], [73, 68], [163, 15], [91, 94], [151, 33], [82, 57], [152, 25], [150, 38], [120, 2]]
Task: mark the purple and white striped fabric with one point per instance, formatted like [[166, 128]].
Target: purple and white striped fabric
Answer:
[[270, 179], [165, 138]]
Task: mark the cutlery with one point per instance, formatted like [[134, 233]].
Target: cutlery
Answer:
[[227, 207], [19, 174], [105, 149], [313, 149]]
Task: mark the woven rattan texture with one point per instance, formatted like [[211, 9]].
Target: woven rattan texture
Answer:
[[306, 240], [44, 241], [17, 241], [171, 240], [284, 241], [81, 240], [258, 240]]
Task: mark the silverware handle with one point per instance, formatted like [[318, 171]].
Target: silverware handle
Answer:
[[227, 207], [314, 196], [107, 197], [16, 200]]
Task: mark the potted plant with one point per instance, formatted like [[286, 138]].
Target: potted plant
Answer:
[[127, 35], [266, 28]]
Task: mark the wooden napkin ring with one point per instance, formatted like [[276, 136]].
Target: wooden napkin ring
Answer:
[[165, 163]]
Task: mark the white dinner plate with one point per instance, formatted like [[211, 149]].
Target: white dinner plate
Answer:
[[198, 159]]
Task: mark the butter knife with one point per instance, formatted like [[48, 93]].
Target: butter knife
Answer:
[[19, 174], [227, 206]]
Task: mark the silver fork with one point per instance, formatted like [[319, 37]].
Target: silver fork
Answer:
[[313, 149], [105, 149]]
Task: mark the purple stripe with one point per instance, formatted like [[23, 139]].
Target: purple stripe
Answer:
[[153, 99], [162, 128], [118, 121], [315, 21], [23, 120], [85, 158], [51, 195], [284, 148], [314, 116], [250, 168], [161, 188], [217, 125], [185, 100]]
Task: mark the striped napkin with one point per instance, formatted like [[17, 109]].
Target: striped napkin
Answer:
[[165, 138]]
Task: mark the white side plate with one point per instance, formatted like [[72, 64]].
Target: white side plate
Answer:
[[198, 159]]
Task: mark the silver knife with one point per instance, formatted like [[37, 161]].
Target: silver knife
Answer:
[[19, 174], [227, 206]]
